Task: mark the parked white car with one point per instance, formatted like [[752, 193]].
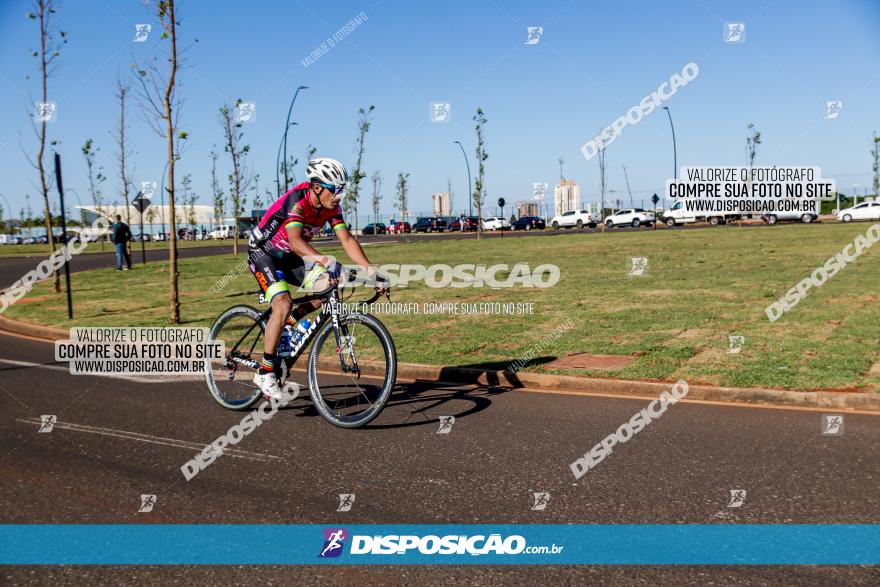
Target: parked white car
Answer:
[[221, 232], [573, 218], [773, 218], [634, 217], [863, 211], [495, 223], [679, 214]]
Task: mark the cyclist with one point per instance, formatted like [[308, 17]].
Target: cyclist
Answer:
[[279, 244]]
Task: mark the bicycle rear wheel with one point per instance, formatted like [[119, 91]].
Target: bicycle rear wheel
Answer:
[[231, 383], [352, 370]]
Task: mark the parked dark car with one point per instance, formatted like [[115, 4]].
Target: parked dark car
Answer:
[[470, 223], [528, 223], [377, 228], [400, 228], [142, 237], [429, 224]]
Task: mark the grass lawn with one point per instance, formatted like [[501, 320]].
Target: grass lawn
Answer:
[[701, 287], [43, 250]]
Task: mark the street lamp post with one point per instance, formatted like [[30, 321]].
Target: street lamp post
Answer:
[[674, 150], [470, 189], [7, 206], [284, 140], [282, 144]]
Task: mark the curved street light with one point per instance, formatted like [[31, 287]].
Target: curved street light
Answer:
[[278, 164], [674, 150], [470, 189], [284, 140]]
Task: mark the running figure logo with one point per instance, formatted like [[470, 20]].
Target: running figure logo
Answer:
[[446, 423], [46, 111], [441, 111], [147, 503], [147, 188], [346, 500], [533, 35], [334, 540], [737, 498], [246, 112], [736, 343], [832, 109], [734, 32], [47, 423], [541, 501], [638, 266], [832, 425], [141, 32], [538, 190]]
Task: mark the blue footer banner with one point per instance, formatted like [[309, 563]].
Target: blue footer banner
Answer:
[[230, 544]]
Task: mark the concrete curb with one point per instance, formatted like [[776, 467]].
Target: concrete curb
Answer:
[[30, 329], [777, 397]]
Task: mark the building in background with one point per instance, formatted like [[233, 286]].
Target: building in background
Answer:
[[567, 196], [441, 205], [527, 209]]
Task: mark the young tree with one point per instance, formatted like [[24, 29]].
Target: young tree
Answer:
[[402, 188], [752, 142], [258, 197], [123, 153], [875, 155], [377, 193], [51, 40], [351, 198], [89, 151], [482, 155], [217, 191], [603, 184], [449, 191], [151, 215], [238, 179], [161, 107], [189, 202]]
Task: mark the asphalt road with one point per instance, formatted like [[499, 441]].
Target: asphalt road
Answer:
[[117, 439]]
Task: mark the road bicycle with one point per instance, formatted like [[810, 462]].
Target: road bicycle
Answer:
[[348, 344]]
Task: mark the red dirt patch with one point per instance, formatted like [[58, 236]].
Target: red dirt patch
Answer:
[[588, 361]]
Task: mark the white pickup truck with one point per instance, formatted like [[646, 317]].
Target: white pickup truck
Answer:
[[679, 215], [573, 218]]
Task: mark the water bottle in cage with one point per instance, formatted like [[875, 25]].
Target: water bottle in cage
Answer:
[[301, 329], [284, 344]]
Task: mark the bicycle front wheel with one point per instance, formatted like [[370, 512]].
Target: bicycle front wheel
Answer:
[[230, 381], [352, 370]]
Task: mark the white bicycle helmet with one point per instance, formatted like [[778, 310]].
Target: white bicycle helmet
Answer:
[[326, 170]]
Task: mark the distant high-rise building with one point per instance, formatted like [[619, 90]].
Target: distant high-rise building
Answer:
[[526, 209], [441, 204], [567, 196]]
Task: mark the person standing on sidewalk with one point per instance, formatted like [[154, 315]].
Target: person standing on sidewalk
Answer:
[[121, 236]]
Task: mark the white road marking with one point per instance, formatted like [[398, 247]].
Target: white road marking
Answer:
[[137, 436], [135, 378]]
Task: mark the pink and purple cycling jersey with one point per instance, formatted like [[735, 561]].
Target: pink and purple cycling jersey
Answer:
[[293, 209]]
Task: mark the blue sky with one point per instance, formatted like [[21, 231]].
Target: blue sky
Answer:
[[594, 61]]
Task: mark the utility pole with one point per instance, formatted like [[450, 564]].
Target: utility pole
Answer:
[[561, 169]]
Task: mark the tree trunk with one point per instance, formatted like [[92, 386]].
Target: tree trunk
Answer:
[[174, 298], [44, 187]]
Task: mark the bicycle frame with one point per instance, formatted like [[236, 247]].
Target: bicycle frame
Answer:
[[332, 302]]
